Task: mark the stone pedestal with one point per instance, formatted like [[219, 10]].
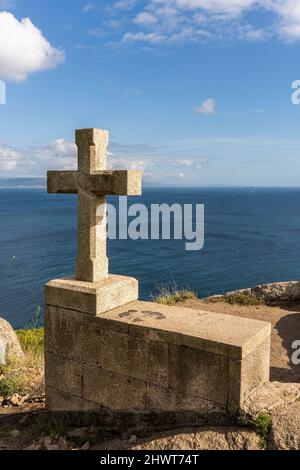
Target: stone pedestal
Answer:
[[92, 298], [145, 357]]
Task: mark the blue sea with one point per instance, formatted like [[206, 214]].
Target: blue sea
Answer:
[[252, 236]]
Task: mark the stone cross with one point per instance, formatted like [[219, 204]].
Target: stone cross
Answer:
[[93, 182]]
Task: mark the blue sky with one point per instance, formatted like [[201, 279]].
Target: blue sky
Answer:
[[193, 92]]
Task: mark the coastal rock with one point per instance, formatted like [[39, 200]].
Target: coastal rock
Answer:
[[278, 291], [9, 343], [270, 396], [268, 293]]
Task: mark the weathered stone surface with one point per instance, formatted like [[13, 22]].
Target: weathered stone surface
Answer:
[[147, 357], [92, 298], [270, 396], [93, 182], [245, 376], [67, 334], [221, 334], [9, 343], [57, 400], [114, 391], [269, 293], [199, 373], [64, 374], [161, 399], [116, 182], [135, 357], [64, 332]]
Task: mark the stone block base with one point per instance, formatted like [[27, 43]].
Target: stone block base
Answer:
[[92, 298], [145, 357]]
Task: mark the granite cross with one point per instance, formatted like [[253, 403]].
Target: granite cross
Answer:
[[93, 182]]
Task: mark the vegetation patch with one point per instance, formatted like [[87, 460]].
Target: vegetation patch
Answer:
[[262, 425], [171, 296], [9, 384], [32, 343], [52, 426], [241, 298], [25, 377]]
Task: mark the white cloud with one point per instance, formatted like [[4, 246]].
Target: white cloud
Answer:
[[89, 7], [35, 161], [57, 155], [8, 159], [289, 13], [207, 107], [144, 37], [177, 22], [184, 162], [196, 164], [121, 163], [171, 162], [24, 49], [179, 159], [229, 7], [175, 176], [8, 165], [145, 18], [251, 34], [97, 32], [125, 4]]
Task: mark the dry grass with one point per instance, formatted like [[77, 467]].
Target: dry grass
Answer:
[[25, 377], [242, 298], [236, 298], [170, 295], [32, 343]]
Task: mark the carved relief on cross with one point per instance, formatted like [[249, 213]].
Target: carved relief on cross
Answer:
[[93, 182]]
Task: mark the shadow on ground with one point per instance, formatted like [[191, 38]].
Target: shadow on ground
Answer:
[[288, 329]]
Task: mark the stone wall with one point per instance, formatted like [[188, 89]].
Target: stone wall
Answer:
[[145, 357]]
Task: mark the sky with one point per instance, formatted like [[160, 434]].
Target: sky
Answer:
[[193, 92]]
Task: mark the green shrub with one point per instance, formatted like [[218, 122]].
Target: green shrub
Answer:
[[32, 340], [49, 426], [242, 298], [262, 424], [22, 376]]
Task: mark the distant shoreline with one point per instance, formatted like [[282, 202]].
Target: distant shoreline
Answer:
[[22, 187], [41, 183]]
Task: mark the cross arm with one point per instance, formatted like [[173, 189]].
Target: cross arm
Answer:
[[115, 182], [62, 182]]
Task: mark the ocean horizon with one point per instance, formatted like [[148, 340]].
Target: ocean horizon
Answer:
[[252, 236]]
